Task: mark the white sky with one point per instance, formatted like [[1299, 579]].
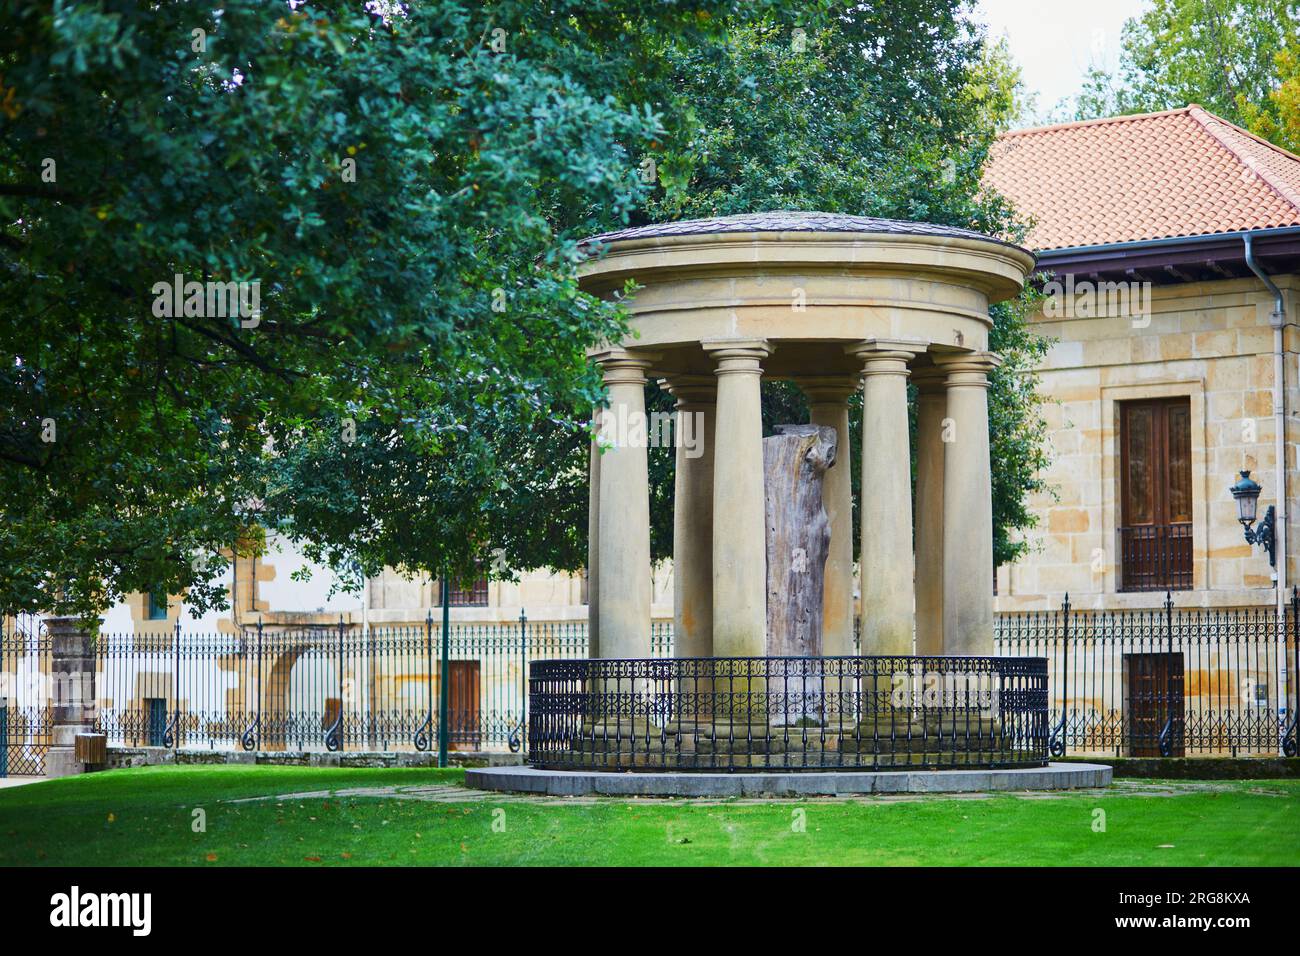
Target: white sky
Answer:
[[1055, 41]]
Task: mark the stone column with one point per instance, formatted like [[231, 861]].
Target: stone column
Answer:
[[886, 509], [593, 547], [828, 405], [931, 410], [72, 684], [968, 507], [739, 541], [693, 514], [623, 513]]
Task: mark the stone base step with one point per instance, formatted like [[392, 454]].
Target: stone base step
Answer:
[[650, 760]]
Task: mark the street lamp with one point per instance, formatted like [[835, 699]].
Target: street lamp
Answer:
[[1246, 490]]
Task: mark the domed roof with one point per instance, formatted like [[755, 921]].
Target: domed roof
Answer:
[[792, 221]]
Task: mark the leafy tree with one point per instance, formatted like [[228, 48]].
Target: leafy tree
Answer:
[[1230, 56], [1278, 118], [888, 110], [997, 85], [408, 186], [387, 181]]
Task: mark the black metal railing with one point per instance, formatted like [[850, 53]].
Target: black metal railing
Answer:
[[328, 688], [1167, 681], [788, 713], [26, 693], [1156, 557]]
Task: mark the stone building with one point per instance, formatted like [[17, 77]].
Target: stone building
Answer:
[[1171, 370]]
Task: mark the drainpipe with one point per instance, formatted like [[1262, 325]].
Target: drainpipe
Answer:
[[1278, 321]]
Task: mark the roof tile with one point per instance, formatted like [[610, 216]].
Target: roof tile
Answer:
[[1182, 172]]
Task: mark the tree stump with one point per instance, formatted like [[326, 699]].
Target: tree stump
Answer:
[[795, 460]]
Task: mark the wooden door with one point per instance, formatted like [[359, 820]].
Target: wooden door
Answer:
[[1156, 495], [463, 717], [1153, 687]]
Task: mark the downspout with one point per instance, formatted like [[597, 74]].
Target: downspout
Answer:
[[1278, 320]]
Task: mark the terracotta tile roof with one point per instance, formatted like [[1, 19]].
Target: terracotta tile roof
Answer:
[[1183, 172]]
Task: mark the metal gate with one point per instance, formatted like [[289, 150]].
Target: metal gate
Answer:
[[25, 715]]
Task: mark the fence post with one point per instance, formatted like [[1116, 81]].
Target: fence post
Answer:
[[334, 735], [250, 739], [517, 741], [424, 736], [1291, 736], [171, 738], [444, 691], [1166, 732], [1057, 744]]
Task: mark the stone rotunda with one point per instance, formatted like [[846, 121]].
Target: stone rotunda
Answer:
[[834, 303]]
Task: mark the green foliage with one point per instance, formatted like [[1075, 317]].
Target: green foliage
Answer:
[[1016, 427], [409, 192], [879, 113], [1227, 55], [219, 144], [870, 118]]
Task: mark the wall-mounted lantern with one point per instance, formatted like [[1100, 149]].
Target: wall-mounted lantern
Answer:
[[1246, 491]]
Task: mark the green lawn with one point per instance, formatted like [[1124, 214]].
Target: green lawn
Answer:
[[144, 816]]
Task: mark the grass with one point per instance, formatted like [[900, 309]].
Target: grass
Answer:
[[145, 816]]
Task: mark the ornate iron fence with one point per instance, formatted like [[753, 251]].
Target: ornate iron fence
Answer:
[[328, 688], [25, 697], [1166, 682], [788, 713]]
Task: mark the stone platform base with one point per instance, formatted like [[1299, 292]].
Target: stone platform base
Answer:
[[572, 783]]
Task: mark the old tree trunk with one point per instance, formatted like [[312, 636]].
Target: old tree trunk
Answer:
[[795, 460]]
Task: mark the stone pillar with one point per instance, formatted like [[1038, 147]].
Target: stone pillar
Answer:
[[739, 541], [593, 547], [72, 684], [931, 410], [968, 507], [828, 405], [623, 512], [886, 509], [693, 514]]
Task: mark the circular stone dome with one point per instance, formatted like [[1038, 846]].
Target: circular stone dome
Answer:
[[808, 283], [791, 221]]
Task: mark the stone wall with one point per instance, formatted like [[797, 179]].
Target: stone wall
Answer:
[[1208, 341]]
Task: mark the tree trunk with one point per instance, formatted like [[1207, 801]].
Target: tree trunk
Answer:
[[798, 536]]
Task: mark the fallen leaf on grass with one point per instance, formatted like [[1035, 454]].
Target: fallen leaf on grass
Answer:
[[211, 858]]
